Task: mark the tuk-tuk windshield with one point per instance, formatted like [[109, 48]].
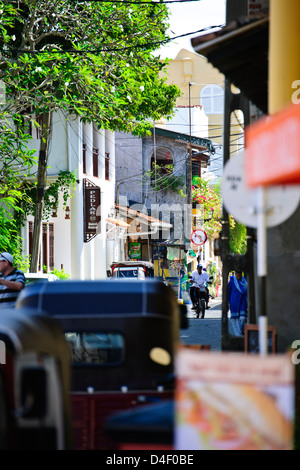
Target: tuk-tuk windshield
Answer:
[[129, 272], [99, 348]]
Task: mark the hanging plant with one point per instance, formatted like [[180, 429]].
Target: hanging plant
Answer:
[[162, 178], [61, 186], [211, 206]]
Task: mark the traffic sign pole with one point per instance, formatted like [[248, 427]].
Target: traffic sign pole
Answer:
[[262, 268], [258, 207]]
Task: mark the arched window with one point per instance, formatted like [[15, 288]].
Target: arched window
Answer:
[[212, 99]]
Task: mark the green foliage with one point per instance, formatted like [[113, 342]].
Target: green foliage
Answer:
[[21, 262], [162, 178], [16, 160], [27, 204], [10, 240], [238, 239], [62, 185], [210, 204], [92, 59], [60, 274]]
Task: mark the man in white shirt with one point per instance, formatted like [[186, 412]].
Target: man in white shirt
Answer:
[[199, 279]]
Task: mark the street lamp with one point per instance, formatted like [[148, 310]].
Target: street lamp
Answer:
[[189, 169], [189, 165]]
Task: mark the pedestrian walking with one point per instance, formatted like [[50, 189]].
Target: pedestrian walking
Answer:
[[12, 280], [238, 302]]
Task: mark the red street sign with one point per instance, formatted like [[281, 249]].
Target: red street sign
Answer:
[[199, 237], [273, 149]]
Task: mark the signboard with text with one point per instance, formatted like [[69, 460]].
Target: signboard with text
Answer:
[[234, 401], [92, 210], [273, 149], [242, 201], [135, 250]]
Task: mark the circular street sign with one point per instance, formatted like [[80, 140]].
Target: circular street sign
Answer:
[[241, 201], [199, 237]]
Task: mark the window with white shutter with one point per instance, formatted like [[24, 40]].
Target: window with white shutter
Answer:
[[212, 99]]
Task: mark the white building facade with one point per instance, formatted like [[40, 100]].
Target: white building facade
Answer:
[[68, 242]]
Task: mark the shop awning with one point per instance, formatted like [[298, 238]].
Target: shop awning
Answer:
[[142, 217], [117, 222], [197, 142]]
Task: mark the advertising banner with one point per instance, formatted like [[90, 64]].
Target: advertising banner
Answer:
[[234, 401], [135, 251]]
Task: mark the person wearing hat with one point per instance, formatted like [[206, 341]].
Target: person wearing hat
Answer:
[[12, 280], [199, 279]]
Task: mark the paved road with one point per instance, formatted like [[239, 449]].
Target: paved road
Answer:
[[205, 330]]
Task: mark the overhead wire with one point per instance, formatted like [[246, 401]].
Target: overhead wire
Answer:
[[87, 139], [114, 49]]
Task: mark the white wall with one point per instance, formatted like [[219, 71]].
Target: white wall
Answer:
[[81, 260], [129, 166], [180, 122]]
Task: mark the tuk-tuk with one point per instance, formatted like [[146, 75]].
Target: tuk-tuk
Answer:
[[35, 412], [132, 269], [122, 337]]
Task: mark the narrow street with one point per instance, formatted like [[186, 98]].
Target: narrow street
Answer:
[[206, 331]]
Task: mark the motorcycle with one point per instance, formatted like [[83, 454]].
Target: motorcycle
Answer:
[[199, 299], [200, 306]]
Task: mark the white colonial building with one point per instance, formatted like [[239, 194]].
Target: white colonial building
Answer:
[[75, 239]]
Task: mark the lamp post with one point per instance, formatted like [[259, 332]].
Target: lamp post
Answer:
[[189, 162], [189, 173]]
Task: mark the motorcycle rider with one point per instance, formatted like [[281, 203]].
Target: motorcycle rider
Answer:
[[199, 279]]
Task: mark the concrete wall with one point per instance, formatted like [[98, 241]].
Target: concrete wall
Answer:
[[283, 304], [179, 151], [129, 166]]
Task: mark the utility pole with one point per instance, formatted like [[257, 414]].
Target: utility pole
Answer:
[[234, 9], [188, 213], [189, 159], [41, 184]]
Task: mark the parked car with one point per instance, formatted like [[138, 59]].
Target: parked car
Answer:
[[122, 337], [35, 277], [132, 269]]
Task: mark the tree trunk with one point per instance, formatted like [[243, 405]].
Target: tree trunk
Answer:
[[41, 185]]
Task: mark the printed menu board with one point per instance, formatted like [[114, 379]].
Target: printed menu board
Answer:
[[234, 401]]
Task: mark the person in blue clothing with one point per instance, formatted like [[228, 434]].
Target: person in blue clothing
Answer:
[[238, 302], [12, 280]]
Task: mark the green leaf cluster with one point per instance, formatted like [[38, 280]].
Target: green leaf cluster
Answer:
[[92, 59], [238, 239], [61, 186], [210, 203], [163, 178]]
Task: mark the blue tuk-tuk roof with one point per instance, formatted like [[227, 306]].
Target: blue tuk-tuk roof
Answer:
[[111, 297]]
